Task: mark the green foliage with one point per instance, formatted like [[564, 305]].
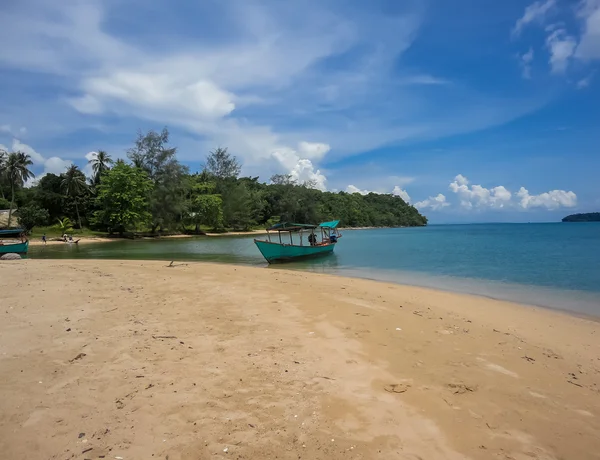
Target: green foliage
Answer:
[[122, 198], [169, 177], [16, 170], [32, 216], [222, 165], [101, 162], [156, 192], [65, 225], [4, 203], [74, 186]]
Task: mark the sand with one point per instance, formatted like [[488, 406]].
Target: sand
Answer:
[[134, 360]]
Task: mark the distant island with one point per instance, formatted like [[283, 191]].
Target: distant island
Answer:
[[587, 217]]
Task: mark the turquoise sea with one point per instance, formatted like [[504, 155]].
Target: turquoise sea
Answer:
[[553, 265]]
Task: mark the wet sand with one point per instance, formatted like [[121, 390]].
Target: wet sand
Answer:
[[137, 360]]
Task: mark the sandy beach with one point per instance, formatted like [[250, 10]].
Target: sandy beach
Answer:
[[137, 360]]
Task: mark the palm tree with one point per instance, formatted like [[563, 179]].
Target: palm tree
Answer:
[[73, 184], [3, 160], [17, 172], [100, 163]]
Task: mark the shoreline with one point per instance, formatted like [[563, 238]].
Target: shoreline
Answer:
[[284, 363]]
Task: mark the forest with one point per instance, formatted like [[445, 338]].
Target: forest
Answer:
[[152, 192], [586, 217]]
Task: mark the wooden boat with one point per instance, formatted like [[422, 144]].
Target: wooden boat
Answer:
[[17, 243], [311, 241]]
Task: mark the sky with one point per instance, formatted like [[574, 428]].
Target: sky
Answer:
[[471, 110]]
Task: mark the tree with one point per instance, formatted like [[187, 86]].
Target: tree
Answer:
[[17, 172], [65, 225], [74, 185], [205, 206], [151, 154], [32, 216], [3, 164], [123, 198], [101, 162], [223, 165], [283, 179], [48, 194]]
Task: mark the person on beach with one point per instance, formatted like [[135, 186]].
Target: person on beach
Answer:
[[44, 238]]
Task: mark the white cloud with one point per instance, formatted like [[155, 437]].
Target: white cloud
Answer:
[[526, 60], [87, 104], [354, 189], [401, 193], [585, 82], [397, 191], [549, 200], [478, 196], [300, 169], [37, 158], [54, 165], [435, 203], [589, 44], [88, 169], [561, 47], [313, 150], [536, 12], [170, 93]]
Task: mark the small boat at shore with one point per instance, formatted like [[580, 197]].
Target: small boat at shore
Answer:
[[13, 241], [311, 241]]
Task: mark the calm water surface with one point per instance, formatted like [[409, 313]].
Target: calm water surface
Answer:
[[552, 265]]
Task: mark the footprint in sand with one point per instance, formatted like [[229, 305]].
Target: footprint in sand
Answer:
[[396, 387]]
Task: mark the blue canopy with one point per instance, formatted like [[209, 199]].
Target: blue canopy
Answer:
[[331, 224]]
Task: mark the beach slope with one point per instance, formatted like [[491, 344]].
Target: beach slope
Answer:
[[137, 360]]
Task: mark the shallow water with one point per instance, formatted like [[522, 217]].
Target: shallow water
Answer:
[[553, 265]]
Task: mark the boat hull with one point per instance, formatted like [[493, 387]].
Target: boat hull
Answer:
[[275, 252], [16, 248]]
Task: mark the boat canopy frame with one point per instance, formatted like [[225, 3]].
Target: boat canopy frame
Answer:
[[326, 230]]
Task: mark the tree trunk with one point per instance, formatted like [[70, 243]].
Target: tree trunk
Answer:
[[78, 217], [12, 203], [197, 228]]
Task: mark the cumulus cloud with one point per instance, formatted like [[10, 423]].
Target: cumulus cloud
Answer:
[[397, 191], [302, 170], [554, 199], [536, 12], [477, 197], [401, 193], [313, 150], [353, 189], [435, 203]]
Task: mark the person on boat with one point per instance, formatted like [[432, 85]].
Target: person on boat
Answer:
[[333, 239], [312, 239]]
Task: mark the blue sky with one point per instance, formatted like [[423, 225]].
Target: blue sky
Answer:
[[474, 110]]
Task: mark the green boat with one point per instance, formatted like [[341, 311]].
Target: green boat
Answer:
[[18, 244], [298, 241]]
